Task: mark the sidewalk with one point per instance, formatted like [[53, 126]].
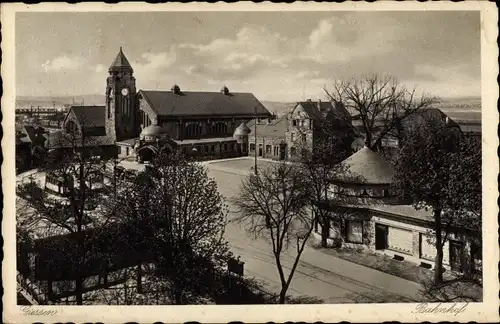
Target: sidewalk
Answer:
[[320, 275], [406, 289]]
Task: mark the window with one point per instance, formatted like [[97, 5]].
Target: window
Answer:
[[206, 149], [268, 149], [225, 147], [304, 137], [212, 148], [252, 147], [276, 150], [294, 122], [354, 231], [292, 137], [293, 151]]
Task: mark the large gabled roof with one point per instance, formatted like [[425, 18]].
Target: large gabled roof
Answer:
[[90, 116], [195, 103], [367, 167]]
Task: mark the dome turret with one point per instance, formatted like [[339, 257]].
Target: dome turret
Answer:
[[153, 132], [241, 133]]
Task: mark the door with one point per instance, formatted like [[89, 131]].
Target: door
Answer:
[[456, 255], [381, 234], [282, 152], [260, 150]]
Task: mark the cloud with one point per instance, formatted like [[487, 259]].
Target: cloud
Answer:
[[62, 63], [321, 33], [152, 65], [100, 68], [252, 50], [289, 56]]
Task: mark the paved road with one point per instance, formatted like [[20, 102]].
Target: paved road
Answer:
[[319, 275]]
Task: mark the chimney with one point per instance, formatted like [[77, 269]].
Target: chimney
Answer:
[[224, 90], [175, 89]]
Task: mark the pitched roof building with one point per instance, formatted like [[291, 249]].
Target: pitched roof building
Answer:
[[367, 167], [197, 121]]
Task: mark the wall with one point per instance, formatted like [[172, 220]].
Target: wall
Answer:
[[264, 141], [401, 244], [303, 126], [417, 231]]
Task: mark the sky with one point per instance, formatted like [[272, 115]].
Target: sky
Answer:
[[278, 56]]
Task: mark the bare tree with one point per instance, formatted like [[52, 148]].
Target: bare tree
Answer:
[[175, 206], [273, 204], [380, 104], [83, 198], [320, 167]]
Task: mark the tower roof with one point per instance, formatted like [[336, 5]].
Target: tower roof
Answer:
[[120, 62]]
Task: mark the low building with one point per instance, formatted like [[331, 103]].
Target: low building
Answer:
[[30, 147], [373, 218]]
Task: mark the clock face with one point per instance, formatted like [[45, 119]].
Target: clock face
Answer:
[[124, 91]]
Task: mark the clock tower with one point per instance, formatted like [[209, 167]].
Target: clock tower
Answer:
[[122, 112]]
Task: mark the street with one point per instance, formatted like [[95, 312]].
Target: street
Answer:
[[318, 275]]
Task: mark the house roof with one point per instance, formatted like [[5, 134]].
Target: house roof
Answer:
[[321, 109], [61, 140], [57, 260], [367, 167], [475, 128], [31, 134], [431, 114], [408, 212], [120, 62], [90, 116], [275, 128], [192, 103]]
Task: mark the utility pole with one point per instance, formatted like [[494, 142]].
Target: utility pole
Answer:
[[255, 138]]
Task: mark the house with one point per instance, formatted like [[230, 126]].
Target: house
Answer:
[[369, 215], [30, 146], [301, 128]]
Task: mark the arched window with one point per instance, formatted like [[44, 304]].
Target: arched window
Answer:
[[71, 127]]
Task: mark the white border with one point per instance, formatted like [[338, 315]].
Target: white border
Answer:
[[481, 312]]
